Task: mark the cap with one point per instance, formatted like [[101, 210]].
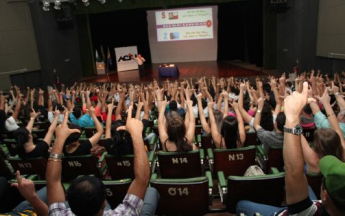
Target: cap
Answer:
[[334, 172]]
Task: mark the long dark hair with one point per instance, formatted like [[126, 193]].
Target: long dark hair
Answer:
[[266, 121], [21, 135], [122, 143], [327, 142], [177, 132], [229, 132]]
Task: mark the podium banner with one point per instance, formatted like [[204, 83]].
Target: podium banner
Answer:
[[124, 59]]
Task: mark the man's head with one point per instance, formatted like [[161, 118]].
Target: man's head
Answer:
[[333, 187], [173, 105], [86, 196], [77, 112]]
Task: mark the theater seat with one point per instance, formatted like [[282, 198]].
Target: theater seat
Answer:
[[30, 166], [265, 189], [315, 181], [231, 161], [74, 166], [251, 139], [116, 191], [189, 196], [6, 169], [273, 158], [180, 164], [124, 167], [11, 146]]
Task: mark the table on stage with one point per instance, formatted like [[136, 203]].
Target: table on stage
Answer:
[[168, 70]]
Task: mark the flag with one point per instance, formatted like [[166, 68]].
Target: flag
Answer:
[[97, 57], [102, 53], [109, 61]]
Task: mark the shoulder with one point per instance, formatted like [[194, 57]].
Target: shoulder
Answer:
[[304, 208], [59, 208], [131, 205]]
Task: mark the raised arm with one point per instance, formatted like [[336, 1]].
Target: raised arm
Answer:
[[17, 109], [27, 189], [241, 129], [202, 118], [33, 116], [247, 118], [216, 136], [257, 118], [310, 157], [332, 119], [55, 191], [163, 136], [52, 127], [141, 163], [295, 180], [338, 96], [97, 136], [108, 122], [191, 125]]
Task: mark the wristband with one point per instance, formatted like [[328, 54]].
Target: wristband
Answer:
[[337, 94], [330, 114], [55, 156], [55, 160], [258, 111]]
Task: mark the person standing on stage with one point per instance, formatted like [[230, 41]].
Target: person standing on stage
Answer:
[[140, 61]]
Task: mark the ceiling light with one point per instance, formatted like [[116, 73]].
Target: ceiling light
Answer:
[[57, 5], [46, 5], [86, 2]]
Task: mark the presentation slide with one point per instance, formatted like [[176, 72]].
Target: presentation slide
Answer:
[[184, 24]]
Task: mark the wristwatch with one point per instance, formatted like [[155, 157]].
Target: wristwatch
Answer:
[[297, 130]]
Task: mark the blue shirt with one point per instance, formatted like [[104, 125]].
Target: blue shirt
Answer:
[[321, 121], [84, 121]]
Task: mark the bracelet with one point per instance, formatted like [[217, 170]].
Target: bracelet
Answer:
[[330, 114], [56, 156], [258, 111], [336, 94], [55, 160]]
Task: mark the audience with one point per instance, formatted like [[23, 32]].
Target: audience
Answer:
[[276, 111]]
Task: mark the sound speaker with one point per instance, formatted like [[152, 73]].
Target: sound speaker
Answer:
[[63, 17], [278, 6]]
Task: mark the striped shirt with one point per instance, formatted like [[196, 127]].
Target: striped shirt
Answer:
[[131, 206], [304, 208]]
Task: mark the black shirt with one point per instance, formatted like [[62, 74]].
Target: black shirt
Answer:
[[84, 148], [41, 150], [3, 118]]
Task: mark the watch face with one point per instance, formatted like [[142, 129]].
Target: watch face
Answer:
[[298, 129]]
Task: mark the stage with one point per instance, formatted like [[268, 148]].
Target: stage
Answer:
[[187, 70]]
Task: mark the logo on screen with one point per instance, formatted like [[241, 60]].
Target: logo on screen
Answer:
[[174, 35], [163, 15], [173, 15]]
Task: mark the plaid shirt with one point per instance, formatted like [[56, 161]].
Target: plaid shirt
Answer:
[[131, 206]]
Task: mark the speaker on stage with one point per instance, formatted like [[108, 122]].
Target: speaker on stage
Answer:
[[278, 6], [63, 17]]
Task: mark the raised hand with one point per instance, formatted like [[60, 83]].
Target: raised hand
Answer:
[[25, 186]]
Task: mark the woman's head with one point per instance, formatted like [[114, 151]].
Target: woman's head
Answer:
[[229, 132], [176, 130], [327, 142], [266, 121], [122, 143], [73, 137], [218, 117], [22, 136]]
